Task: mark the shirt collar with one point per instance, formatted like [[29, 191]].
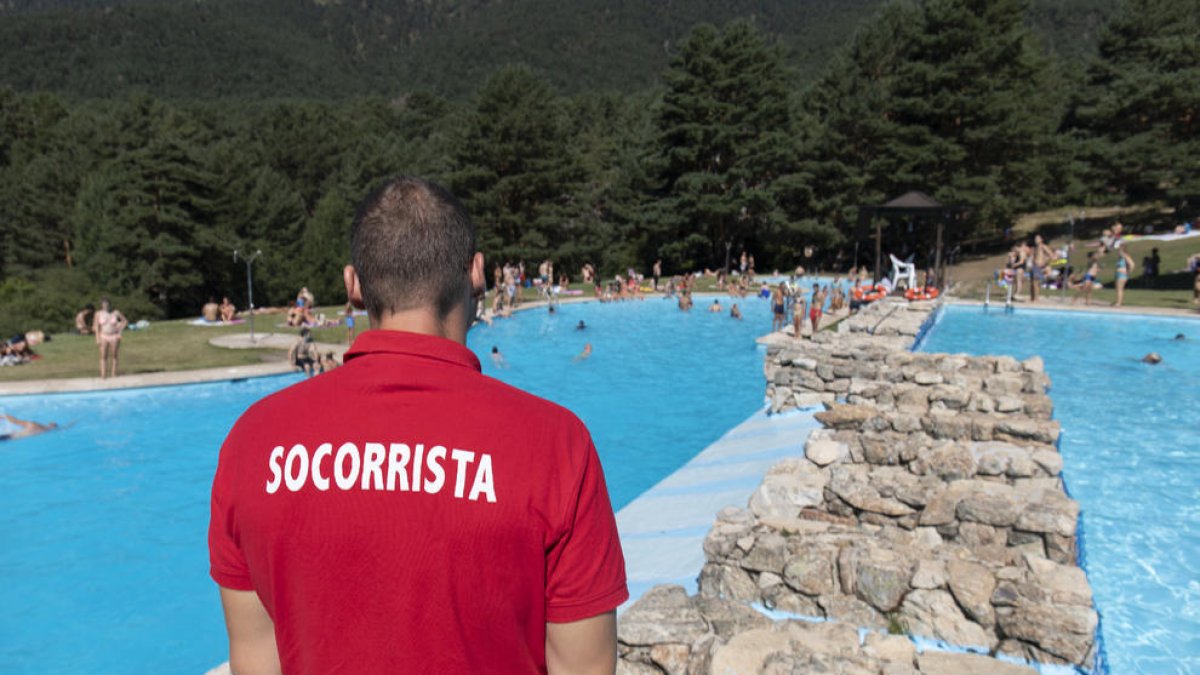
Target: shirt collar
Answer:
[[412, 344]]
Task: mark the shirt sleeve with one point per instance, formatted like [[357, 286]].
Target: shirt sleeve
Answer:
[[585, 569], [227, 562]]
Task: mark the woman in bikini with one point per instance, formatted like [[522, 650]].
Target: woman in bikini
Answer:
[[1124, 269], [107, 326]]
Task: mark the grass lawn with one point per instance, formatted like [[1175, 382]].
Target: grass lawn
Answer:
[[165, 345]]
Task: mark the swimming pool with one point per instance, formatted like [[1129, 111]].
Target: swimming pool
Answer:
[[102, 538], [1129, 445]]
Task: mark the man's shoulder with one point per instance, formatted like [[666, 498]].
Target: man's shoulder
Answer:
[[524, 404]]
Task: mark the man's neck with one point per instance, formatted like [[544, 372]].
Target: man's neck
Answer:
[[425, 321]]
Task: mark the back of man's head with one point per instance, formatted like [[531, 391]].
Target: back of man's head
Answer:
[[412, 245]]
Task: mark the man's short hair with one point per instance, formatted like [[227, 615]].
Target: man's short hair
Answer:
[[412, 244]]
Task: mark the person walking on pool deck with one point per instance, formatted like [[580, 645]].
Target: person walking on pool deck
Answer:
[[107, 326], [406, 512]]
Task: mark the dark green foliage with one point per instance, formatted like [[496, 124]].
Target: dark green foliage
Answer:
[[146, 196], [1140, 111], [49, 298], [303, 48], [949, 97], [726, 148], [515, 173], [328, 50]]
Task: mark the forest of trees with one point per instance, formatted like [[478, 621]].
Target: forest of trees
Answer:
[[144, 198]]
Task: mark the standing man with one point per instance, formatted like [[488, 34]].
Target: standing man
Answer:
[[405, 512], [1042, 255], [657, 269]]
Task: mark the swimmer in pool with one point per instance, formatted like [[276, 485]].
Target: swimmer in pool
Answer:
[[498, 358], [715, 308], [14, 428], [587, 351], [581, 325], [735, 312]]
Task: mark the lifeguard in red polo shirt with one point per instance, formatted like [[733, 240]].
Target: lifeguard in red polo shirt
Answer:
[[406, 513]]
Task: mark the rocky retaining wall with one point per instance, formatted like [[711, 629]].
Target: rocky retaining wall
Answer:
[[929, 505]]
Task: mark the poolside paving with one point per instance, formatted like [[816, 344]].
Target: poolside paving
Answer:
[[663, 530]]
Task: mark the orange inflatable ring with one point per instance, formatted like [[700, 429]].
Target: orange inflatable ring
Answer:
[[869, 293], [927, 293]]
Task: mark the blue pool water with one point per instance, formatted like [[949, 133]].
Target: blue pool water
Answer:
[[660, 385], [102, 526], [1132, 459]]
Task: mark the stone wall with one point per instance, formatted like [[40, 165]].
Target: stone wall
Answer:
[[666, 631], [929, 504]]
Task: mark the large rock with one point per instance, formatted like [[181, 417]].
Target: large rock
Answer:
[[811, 572], [823, 450], [726, 581], [1059, 584], [935, 614], [728, 617], [972, 585], [944, 663], [842, 416], [1066, 631], [1049, 511], [788, 488], [890, 648], [851, 484], [747, 653], [989, 503], [664, 614], [929, 574], [768, 555], [948, 461], [876, 576], [630, 667]]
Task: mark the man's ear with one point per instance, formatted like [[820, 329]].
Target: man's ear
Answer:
[[353, 287], [478, 277]]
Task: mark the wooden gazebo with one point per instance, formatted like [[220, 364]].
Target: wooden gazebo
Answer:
[[910, 205]]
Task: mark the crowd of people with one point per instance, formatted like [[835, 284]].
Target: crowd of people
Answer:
[[1041, 267]]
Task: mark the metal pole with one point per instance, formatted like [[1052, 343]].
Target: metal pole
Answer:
[[249, 284]]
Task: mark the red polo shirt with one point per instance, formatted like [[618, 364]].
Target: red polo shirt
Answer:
[[406, 513]]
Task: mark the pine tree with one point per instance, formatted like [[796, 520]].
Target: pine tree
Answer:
[[950, 97], [143, 224], [513, 168], [726, 139], [1140, 112]]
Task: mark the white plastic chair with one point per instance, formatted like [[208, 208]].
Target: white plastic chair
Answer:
[[903, 270]]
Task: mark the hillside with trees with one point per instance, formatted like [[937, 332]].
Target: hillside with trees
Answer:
[[184, 49], [144, 197]]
